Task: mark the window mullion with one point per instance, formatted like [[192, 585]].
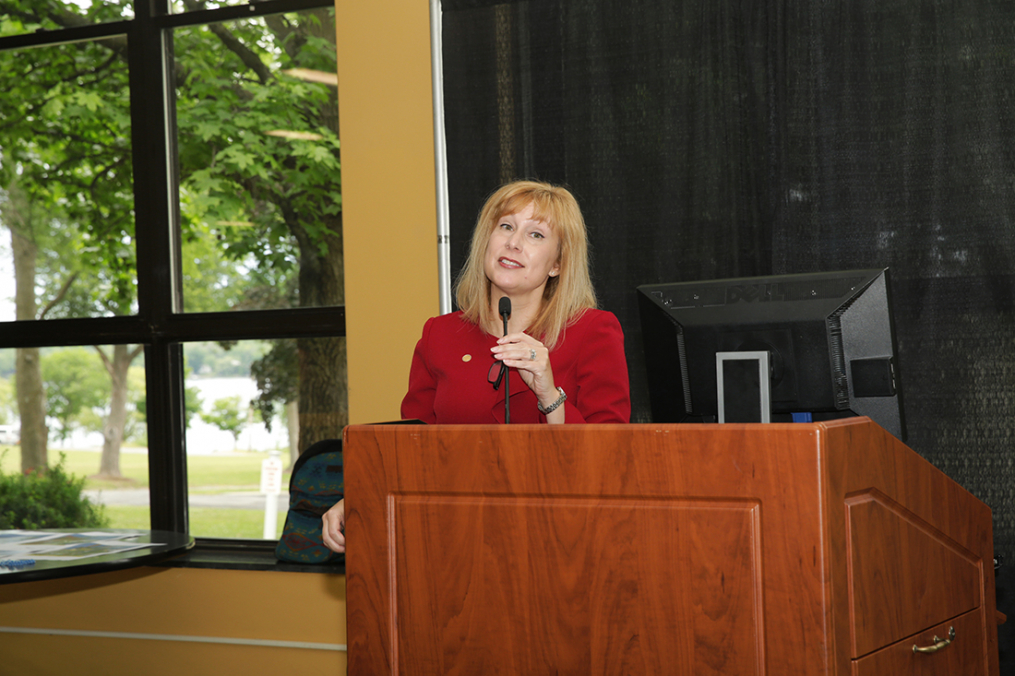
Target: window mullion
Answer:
[[158, 264]]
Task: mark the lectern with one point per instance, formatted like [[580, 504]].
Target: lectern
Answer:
[[780, 549]]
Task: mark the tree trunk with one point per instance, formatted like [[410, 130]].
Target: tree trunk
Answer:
[[32, 411], [28, 366], [112, 431], [323, 405], [292, 422], [324, 410]]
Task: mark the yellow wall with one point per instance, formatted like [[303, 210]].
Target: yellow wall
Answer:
[[163, 605], [388, 195], [386, 127]]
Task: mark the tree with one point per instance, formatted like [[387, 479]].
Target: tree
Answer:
[[226, 415], [117, 364], [258, 157], [282, 185], [211, 281], [42, 245], [276, 377], [66, 166], [75, 382], [17, 215]]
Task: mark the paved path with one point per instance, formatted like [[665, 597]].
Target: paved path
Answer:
[[138, 497]]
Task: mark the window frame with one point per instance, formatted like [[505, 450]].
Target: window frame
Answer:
[[160, 325]]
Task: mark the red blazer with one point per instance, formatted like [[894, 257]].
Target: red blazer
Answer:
[[448, 378]]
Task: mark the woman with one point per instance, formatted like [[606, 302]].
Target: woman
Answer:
[[564, 358]]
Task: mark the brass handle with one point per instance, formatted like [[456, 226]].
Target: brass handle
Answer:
[[938, 643]]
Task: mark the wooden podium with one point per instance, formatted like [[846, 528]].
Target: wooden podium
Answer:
[[780, 549]]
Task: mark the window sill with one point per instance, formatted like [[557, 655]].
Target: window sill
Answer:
[[244, 555]]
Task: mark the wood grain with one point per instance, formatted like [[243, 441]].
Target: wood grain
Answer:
[[629, 549], [904, 575], [526, 585], [963, 657]]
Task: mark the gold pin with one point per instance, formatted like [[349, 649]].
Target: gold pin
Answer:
[[466, 357]]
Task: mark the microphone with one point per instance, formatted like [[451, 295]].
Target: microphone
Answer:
[[505, 311]]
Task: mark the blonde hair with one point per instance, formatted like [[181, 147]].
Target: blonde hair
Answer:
[[568, 294]]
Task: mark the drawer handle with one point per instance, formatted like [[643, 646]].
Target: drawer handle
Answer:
[[938, 643]]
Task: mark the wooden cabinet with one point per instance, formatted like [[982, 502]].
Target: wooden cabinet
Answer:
[[783, 549], [904, 574], [962, 656]]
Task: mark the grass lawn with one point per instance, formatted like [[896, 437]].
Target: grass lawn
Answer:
[[206, 474], [204, 522]]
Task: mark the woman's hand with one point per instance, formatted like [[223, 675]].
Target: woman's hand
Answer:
[[531, 359], [333, 527]]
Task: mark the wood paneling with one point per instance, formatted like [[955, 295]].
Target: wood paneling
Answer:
[[962, 657], [904, 575], [610, 576], [629, 549]]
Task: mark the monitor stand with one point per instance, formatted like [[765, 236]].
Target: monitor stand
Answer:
[[743, 386]]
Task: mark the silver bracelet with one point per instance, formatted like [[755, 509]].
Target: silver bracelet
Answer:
[[555, 405]]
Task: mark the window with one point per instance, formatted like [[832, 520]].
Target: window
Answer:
[[180, 172], [67, 178]]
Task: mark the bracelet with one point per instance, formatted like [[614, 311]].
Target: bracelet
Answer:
[[555, 405]]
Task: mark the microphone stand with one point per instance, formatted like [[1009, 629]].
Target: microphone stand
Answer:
[[506, 377], [505, 312]]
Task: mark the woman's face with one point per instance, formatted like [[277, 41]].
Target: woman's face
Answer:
[[521, 256]]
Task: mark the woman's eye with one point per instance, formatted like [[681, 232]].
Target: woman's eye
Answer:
[[537, 235]]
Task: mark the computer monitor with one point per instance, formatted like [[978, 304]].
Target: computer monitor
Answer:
[[829, 338]]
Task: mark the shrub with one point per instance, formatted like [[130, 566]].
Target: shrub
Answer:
[[50, 500]]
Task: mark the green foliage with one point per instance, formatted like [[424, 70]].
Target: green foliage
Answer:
[[8, 401], [76, 382], [260, 177], [50, 500], [249, 199], [260, 192], [211, 282], [277, 376], [66, 287], [226, 415], [205, 474], [65, 138]]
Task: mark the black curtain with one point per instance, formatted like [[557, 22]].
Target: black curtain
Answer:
[[718, 138]]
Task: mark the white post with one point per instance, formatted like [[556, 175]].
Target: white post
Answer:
[[271, 486]]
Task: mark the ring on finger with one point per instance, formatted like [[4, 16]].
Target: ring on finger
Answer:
[[532, 354]]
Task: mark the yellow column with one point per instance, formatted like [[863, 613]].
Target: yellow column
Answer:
[[388, 195]]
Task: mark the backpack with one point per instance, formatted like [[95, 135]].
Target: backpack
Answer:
[[315, 485]]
